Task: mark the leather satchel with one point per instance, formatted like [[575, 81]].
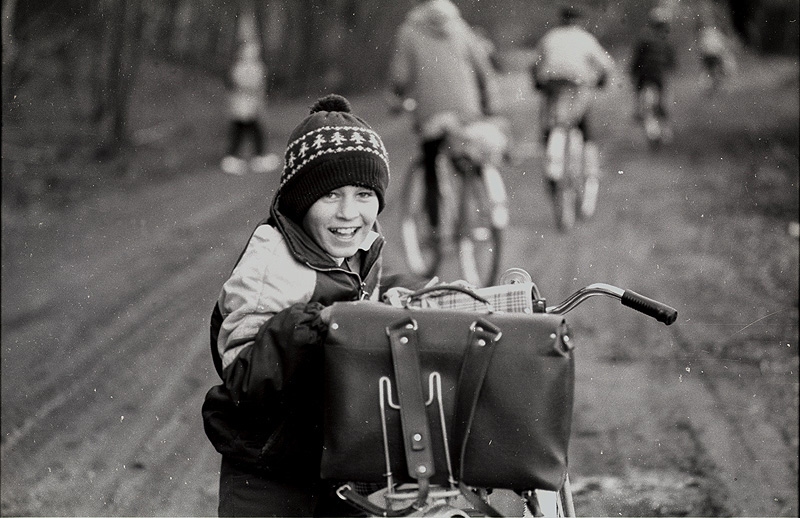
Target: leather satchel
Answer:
[[438, 396]]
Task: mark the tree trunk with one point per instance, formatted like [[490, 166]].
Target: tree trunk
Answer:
[[9, 48], [119, 73]]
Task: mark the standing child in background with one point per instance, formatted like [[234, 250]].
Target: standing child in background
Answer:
[[247, 102]]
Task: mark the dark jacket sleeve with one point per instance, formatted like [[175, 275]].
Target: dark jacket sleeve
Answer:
[[284, 353]]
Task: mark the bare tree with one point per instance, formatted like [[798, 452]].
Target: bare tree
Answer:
[[119, 65], [9, 46]]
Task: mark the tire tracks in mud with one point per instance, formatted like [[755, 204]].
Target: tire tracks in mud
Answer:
[[103, 326], [136, 341], [736, 448]]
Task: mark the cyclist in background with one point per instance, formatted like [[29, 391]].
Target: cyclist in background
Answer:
[[716, 52], [445, 68], [569, 53], [653, 59]]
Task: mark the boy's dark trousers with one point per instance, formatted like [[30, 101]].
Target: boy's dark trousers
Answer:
[[246, 492]]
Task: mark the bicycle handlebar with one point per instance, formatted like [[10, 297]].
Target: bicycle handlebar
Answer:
[[631, 299], [649, 307]]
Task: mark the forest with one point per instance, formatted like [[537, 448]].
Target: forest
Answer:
[[72, 67]]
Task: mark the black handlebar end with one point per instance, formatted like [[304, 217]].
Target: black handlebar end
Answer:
[[649, 307]]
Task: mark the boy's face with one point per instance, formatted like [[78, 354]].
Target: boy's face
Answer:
[[340, 220]]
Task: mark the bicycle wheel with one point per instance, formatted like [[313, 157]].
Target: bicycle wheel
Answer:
[[562, 190], [565, 200], [591, 182], [480, 229], [651, 118], [422, 247]]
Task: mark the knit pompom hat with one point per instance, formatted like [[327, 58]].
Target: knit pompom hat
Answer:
[[329, 149]]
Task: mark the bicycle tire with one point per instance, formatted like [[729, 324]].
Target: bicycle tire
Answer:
[[575, 164], [562, 194], [651, 120], [480, 232], [590, 181], [565, 202], [421, 244]]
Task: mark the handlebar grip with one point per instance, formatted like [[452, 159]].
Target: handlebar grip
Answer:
[[649, 307]]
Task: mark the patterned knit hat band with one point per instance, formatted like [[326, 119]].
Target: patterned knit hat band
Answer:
[[328, 141]]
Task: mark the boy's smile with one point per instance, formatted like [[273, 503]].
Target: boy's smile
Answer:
[[340, 220]]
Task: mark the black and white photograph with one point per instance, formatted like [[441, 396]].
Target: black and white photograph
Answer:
[[400, 258]]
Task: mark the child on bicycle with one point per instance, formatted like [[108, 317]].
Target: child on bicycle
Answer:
[[568, 54], [320, 244], [444, 66], [653, 59], [716, 51]]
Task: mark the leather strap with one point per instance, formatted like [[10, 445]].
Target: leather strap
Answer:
[[410, 395], [481, 346]]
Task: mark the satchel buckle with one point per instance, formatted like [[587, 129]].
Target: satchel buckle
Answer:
[[409, 324], [563, 342], [486, 326]]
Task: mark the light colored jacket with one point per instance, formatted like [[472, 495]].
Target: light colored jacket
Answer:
[[266, 327], [441, 64], [571, 53], [269, 278], [248, 76]]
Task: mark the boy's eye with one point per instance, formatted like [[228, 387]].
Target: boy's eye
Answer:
[[366, 193]]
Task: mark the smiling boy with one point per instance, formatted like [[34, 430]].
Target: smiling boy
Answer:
[[320, 244]]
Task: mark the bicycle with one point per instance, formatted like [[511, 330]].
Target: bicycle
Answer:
[[473, 206], [453, 499], [571, 165], [654, 123]]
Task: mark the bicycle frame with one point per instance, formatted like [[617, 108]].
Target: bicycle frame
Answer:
[[569, 156], [472, 202]]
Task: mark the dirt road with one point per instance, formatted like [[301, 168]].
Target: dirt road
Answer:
[[105, 352]]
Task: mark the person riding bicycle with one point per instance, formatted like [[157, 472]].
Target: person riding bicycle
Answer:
[[568, 54], [653, 59], [444, 67], [321, 243], [716, 50]]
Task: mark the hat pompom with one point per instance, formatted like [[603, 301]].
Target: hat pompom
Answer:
[[331, 103]]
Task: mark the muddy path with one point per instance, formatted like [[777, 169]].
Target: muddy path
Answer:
[[105, 355]]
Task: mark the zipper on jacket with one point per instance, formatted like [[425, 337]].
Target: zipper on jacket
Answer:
[[363, 294]]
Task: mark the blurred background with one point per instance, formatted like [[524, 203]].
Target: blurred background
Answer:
[[87, 76], [119, 228]]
